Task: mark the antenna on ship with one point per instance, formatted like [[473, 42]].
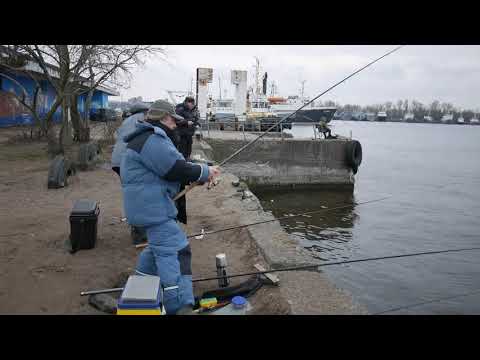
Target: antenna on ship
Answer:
[[257, 76], [302, 92], [273, 90], [220, 87]]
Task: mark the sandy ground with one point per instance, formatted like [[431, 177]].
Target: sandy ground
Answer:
[[38, 275]]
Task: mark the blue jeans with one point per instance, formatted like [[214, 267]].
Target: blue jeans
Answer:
[[168, 256]]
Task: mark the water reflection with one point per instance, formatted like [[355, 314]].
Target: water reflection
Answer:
[[327, 235]]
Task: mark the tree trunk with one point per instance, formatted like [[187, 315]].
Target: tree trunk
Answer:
[[88, 104], [82, 130], [54, 147]]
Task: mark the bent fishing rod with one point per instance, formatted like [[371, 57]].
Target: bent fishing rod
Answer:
[[223, 162], [298, 268], [139, 246]]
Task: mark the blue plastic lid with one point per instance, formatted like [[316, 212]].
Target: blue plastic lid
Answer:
[[239, 301]]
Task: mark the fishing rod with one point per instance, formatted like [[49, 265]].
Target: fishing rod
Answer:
[[297, 268], [306, 267], [223, 162], [272, 220]]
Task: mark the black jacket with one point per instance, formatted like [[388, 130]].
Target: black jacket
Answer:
[[189, 115]]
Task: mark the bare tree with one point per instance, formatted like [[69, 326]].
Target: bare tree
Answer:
[[109, 65], [61, 66], [73, 70]]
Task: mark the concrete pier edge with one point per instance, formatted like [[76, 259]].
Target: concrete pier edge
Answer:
[[306, 292]]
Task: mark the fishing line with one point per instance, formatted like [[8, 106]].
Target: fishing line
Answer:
[[286, 217], [276, 219], [427, 302]]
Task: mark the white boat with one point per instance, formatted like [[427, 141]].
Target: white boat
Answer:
[[223, 110], [381, 116], [428, 118], [474, 121], [461, 120], [258, 105], [447, 118], [408, 117]]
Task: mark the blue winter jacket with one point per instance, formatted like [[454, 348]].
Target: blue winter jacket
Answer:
[[127, 127], [151, 172]]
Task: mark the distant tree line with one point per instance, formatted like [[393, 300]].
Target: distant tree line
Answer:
[[398, 110]]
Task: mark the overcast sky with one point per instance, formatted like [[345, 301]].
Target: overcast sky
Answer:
[[446, 73]]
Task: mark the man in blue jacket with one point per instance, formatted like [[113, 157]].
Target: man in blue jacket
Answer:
[[138, 112], [151, 172]]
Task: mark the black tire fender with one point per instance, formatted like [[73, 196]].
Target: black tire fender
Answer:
[[57, 174], [354, 155]]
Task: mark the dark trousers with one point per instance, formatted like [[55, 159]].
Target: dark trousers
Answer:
[[185, 146], [327, 133], [182, 207]]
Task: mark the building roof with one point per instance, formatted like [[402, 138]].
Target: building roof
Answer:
[[31, 65]]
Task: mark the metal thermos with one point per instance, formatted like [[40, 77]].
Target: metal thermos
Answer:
[[221, 262]]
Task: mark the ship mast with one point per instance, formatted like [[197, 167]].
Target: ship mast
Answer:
[[302, 91], [273, 90], [257, 77], [220, 87]]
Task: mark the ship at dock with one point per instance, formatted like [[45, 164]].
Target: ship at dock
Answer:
[[282, 107], [263, 111]]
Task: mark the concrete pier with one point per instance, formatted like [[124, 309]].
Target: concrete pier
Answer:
[[300, 292], [274, 161]]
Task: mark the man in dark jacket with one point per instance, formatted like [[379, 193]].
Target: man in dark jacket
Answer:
[[186, 127], [185, 131]]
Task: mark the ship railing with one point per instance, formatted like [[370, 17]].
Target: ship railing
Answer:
[[253, 127]]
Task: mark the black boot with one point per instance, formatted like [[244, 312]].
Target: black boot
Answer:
[[139, 236]]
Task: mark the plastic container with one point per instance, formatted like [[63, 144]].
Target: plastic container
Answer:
[[239, 302], [238, 306], [142, 295], [208, 303], [83, 225]]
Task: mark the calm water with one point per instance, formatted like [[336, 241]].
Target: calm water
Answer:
[[432, 173]]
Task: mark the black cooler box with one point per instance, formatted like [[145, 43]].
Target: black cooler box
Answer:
[[83, 225]]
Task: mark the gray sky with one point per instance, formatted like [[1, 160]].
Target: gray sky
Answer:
[[425, 73]]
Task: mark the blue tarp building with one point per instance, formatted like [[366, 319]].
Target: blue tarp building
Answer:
[[13, 113]]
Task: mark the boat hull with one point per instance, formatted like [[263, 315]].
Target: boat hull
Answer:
[[307, 115]]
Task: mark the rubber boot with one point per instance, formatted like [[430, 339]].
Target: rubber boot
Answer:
[[139, 236]]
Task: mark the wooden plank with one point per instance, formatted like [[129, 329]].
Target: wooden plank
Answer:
[[273, 278]]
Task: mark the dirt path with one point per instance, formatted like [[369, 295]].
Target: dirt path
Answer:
[[37, 274]]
